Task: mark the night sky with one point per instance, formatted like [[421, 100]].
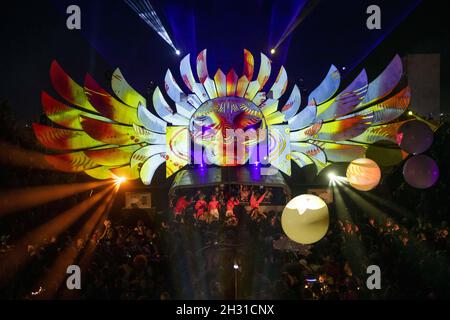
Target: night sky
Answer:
[[113, 36]]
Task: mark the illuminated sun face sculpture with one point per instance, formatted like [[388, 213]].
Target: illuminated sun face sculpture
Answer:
[[217, 126], [109, 136]]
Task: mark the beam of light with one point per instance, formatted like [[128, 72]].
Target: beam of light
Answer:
[[145, 11], [421, 248], [368, 209], [394, 207], [25, 198], [53, 278], [85, 256], [331, 176], [387, 31], [304, 12], [16, 156], [354, 251], [334, 179], [15, 260]]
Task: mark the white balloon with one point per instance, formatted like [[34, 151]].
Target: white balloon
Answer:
[[305, 219]]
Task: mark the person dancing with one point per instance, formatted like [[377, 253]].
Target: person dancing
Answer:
[[230, 217], [201, 207], [213, 207], [255, 214], [180, 206]]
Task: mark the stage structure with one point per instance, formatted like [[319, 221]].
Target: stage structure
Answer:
[[109, 136]]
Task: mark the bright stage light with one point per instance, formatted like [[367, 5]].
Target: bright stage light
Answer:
[[272, 51], [120, 180], [331, 176], [410, 113], [177, 52], [236, 266]]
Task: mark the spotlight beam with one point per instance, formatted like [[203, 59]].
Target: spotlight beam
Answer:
[[365, 205], [17, 200], [15, 260], [389, 204], [87, 252], [305, 11], [19, 157], [56, 274], [357, 249], [419, 247], [145, 11]]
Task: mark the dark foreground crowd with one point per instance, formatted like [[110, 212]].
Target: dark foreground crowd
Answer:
[[168, 259], [197, 261]]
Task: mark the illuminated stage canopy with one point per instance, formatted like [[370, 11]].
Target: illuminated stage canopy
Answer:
[[109, 136]]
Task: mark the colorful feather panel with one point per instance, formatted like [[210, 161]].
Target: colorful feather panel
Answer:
[[60, 113], [336, 152], [293, 104], [379, 133], [249, 65], [279, 87], [71, 162], [264, 71], [124, 91], [391, 108], [110, 133], [202, 69], [344, 129], [107, 105], [311, 150], [68, 89], [345, 101], [385, 82], [116, 156], [64, 139], [326, 89]]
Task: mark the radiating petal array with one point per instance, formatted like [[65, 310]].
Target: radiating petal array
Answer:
[[109, 137]]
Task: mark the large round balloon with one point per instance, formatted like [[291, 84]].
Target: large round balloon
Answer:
[[305, 219], [414, 137], [363, 174], [421, 171]]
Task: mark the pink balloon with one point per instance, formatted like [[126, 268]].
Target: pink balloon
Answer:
[[415, 137], [420, 172]]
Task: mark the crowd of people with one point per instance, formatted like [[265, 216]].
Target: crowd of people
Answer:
[[210, 205], [168, 258], [205, 242]]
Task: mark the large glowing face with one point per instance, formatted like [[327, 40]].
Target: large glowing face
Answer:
[[222, 123]]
